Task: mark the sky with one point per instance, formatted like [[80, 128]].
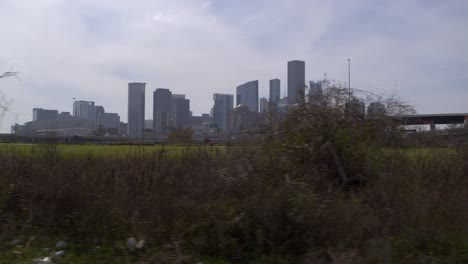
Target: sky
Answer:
[[91, 49]]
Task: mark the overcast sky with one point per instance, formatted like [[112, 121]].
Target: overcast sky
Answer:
[[91, 49]]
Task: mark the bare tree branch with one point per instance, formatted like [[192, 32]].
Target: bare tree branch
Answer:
[[9, 74]]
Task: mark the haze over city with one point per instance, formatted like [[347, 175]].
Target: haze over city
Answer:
[[91, 50]]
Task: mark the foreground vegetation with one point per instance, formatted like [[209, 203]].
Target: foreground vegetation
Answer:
[[317, 188], [106, 150]]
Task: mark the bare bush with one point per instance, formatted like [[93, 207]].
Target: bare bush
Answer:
[[319, 186]]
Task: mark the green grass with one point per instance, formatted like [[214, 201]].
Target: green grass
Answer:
[[99, 150]]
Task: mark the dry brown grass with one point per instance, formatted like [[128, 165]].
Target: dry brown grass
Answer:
[[317, 189]]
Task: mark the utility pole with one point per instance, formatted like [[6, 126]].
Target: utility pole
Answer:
[[349, 78]]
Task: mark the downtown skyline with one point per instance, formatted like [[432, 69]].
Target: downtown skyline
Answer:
[[91, 50]]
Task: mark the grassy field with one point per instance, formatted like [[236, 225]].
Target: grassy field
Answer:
[[99, 150]]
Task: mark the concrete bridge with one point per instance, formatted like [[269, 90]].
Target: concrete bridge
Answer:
[[436, 119]]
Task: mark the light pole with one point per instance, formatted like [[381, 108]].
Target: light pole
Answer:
[[349, 78]]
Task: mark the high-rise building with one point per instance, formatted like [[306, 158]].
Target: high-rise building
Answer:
[[315, 91], [296, 82], [223, 105], [376, 110], [275, 93], [355, 109], [243, 118], [85, 109], [123, 128], [40, 114], [315, 88], [247, 94], [149, 124], [162, 108], [136, 109], [99, 110], [180, 111], [196, 120], [108, 123], [206, 119], [264, 105]]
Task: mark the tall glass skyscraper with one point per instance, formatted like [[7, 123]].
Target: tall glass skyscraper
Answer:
[[275, 93], [136, 109], [247, 94], [162, 99], [222, 111], [180, 114], [296, 82]]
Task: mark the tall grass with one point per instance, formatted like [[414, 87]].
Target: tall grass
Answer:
[[316, 188], [243, 204]]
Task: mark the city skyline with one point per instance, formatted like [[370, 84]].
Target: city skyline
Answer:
[[90, 50], [173, 110]]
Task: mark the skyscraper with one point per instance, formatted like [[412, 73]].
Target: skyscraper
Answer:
[[243, 118], [247, 94], [355, 109], [315, 88], [136, 109], [264, 105], [275, 93], [108, 123], [99, 111], [296, 82], [222, 109], [315, 91], [86, 110], [180, 111], [162, 105], [376, 110]]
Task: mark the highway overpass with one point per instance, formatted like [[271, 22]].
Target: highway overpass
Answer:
[[436, 119]]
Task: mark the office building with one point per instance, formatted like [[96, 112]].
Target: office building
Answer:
[[376, 110], [355, 109], [180, 114], [264, 105], [99, 110], [275, 93], [65, 125], [243, 118], [40, 114], [315, 89], [196, 120], [296, 82], [86, 110], [206, 119], [123, 128], [108, 123], [247, 94], [315, 92], [221, 112], [64, 114], [136, 109], [149, 124], [162, 108]]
